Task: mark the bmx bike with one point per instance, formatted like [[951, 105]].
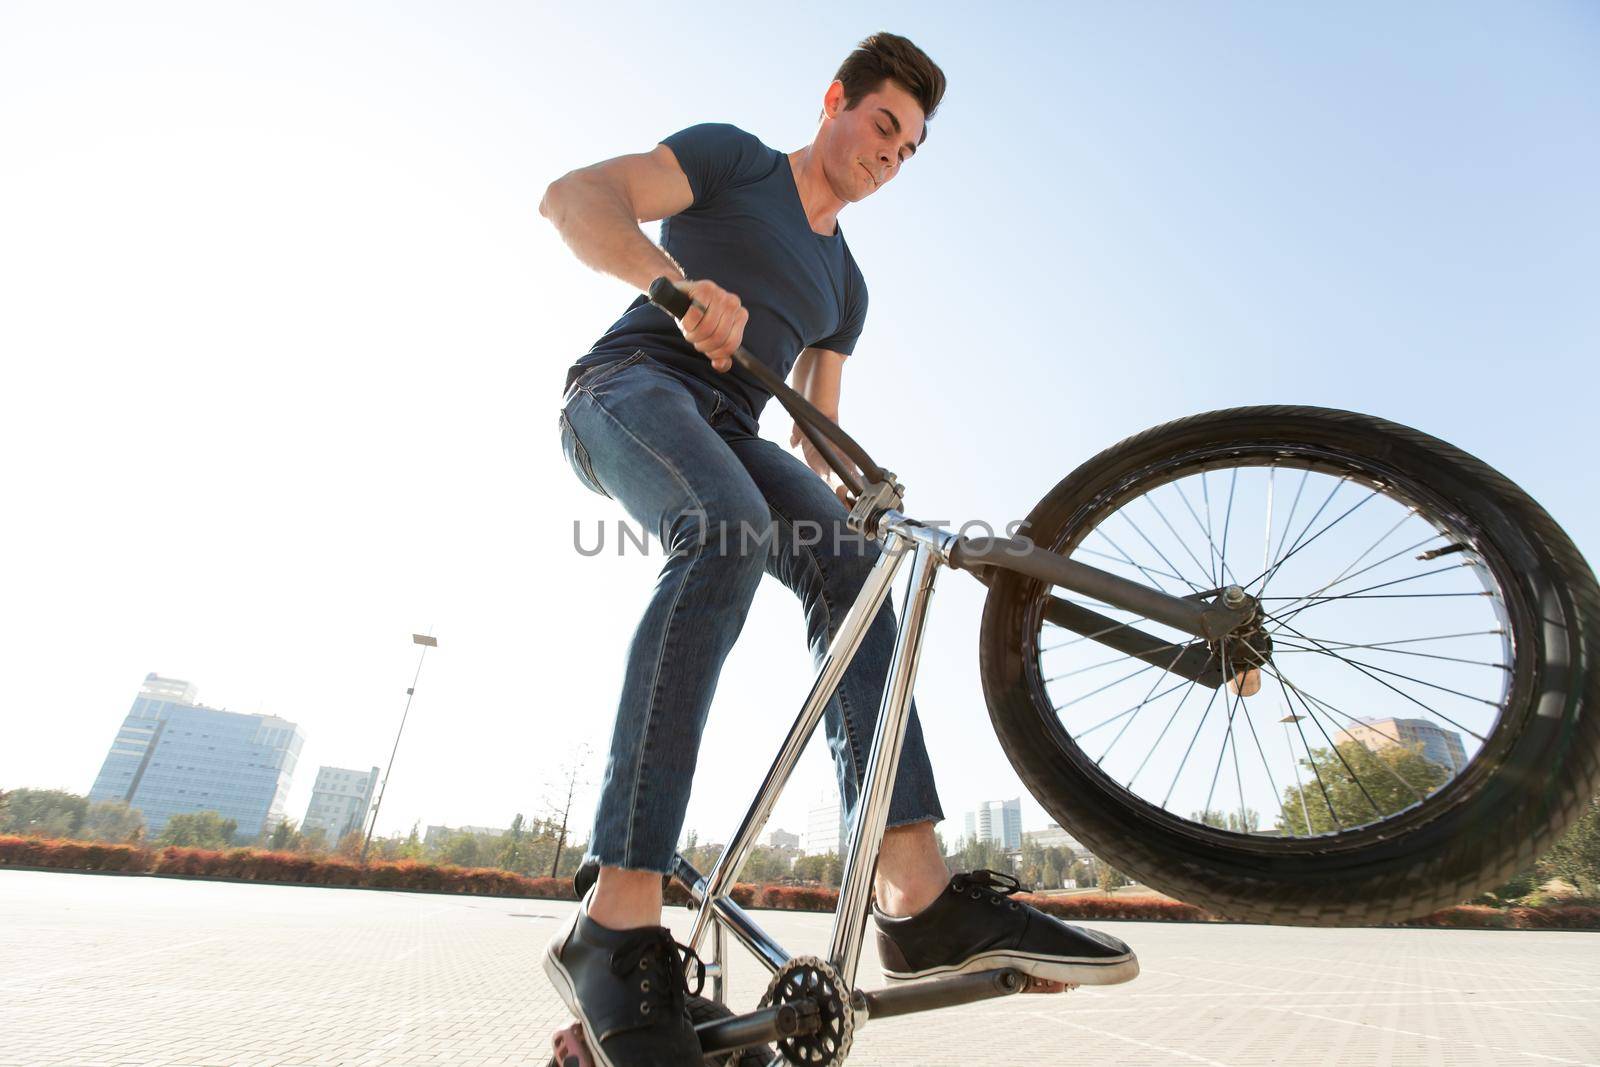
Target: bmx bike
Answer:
[[1342, 624]]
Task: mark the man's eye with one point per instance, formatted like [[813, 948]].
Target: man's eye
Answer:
[[881, 130]]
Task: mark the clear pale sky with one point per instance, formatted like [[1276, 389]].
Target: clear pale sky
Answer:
[[284, 333]]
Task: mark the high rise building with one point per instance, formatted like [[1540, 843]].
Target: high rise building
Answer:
[[173, 755], [783, 839], [999, 821], [340, 802], [1439, 745], [825, 830]]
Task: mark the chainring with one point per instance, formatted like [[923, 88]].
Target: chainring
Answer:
[[813, 978]]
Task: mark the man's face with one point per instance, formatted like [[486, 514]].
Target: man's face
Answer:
[[866, 146]]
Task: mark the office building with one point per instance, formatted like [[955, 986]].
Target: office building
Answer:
[[825, 831], [783, 839], [998, 821], [173, 755], [1439, 745], [340, 802]]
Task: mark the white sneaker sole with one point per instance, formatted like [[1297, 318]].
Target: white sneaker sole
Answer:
[[567, 990], [1085, 971]]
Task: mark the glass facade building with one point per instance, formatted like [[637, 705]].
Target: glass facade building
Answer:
[[173, 755], [999, 821]]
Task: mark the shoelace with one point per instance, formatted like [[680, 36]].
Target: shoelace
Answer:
[[653, 966], [996, 885]]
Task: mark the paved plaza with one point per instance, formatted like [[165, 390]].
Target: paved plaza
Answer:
[[129, 970]]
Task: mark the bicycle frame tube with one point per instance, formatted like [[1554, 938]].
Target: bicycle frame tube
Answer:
[[872, 804], [841, 650]]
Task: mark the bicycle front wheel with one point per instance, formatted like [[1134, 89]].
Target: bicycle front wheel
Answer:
[[1411, 724]]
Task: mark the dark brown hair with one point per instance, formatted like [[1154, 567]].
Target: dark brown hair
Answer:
[[887, 56]]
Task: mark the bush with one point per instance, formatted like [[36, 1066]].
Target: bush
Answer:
[[798, 898], [1142, 908], [71, 855], [1564, 912]]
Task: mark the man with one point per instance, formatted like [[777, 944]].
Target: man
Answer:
[[652, 418]]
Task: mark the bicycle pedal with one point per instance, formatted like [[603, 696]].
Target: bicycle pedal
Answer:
[[571, 1050]]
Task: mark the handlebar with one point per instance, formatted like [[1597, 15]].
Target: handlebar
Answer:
[[823, 432]]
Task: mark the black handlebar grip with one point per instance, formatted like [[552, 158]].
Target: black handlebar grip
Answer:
[[668, 297]]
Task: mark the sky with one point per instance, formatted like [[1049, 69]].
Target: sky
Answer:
[[284, 334]]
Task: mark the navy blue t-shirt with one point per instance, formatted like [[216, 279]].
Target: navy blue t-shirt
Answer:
[[747, 231]]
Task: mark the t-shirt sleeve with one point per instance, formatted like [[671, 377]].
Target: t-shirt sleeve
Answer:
[[843, 340], [715, 156]]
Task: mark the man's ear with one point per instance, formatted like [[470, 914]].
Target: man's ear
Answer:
[[833, 99]]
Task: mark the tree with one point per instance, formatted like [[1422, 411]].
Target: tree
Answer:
[[198, 829], [349, 845], [974, 854], [1382, 783], [463, 850], [1110, 878], [43, 813], [1228, 820], [1575, 856], [283, 836], [113, 821], [571, 777]]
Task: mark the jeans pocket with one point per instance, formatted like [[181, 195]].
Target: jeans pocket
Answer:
[[595, 375], [578, 457]]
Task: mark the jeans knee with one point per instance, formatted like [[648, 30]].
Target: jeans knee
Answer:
[[735, 532]]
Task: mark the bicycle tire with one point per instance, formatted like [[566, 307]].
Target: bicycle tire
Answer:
[[1545, 761]]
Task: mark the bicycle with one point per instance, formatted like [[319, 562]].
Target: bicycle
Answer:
[[1455, 799]]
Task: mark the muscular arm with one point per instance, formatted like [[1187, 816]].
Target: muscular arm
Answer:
[[598, 210], [816, 377]]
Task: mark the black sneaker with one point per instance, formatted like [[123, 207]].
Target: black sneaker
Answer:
[[973, 926], [629, 988]]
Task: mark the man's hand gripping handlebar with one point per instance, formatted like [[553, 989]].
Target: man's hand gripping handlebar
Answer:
[[873, 490]]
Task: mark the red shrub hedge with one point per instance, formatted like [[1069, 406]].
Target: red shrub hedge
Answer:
[[798, 898], [1140, 908], [253, 865]]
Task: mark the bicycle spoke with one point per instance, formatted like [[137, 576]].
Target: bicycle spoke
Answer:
[[1129, 560], [1103, 688], [1351, 548], [1129, 711], [1147, 698], [1432, 711], [1326, 707], [1151, 500], [1157, 744], [1310, 761], [1278, 646], [1163, 556], [1351, 771], [1204, 715], [1276, 567]]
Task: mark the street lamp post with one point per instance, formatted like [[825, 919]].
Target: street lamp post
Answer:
[[427, 641], [1298, 787]]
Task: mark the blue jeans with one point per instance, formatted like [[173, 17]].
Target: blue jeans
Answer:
[[688, 466]]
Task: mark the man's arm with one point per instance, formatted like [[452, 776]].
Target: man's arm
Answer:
[[598, 210], [817, 376]]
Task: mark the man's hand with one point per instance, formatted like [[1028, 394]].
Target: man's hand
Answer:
[[718, 330], [814, 460]]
